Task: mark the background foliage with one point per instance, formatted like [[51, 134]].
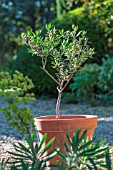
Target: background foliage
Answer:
[[15, 92], [19, 16], [94, 83]]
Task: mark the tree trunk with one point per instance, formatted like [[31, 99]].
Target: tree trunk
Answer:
[[58, 104]]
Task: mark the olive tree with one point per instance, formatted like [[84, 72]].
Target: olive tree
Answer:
[[68, 50]]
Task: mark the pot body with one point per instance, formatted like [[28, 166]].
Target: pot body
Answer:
[[59, 127]]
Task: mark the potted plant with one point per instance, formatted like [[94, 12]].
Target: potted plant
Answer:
[[68, 51]]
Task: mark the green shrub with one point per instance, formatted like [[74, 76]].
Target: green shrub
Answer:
[[86, 83], [81, 153], [69, 98], [30, 65], [105, 79], [15, 94], [96, 19], [94, 83], [30, 157]]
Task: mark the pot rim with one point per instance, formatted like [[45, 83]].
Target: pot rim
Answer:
[[65, 117], [46, 123]]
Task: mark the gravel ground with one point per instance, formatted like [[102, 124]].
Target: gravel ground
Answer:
[[8, 136]]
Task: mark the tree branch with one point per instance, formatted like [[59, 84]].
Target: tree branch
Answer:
[[66, 84], [50, 75]]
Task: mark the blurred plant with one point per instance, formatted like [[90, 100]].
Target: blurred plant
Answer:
[[68, 51], [94, 83], [69, 97], [85, 83], [81, 153], [15, 90], [105, 81], [101, 12], [32, 156], [62, 6]]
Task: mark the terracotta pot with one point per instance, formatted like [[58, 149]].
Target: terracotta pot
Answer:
[[59, 127]]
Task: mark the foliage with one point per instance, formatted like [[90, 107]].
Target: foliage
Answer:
[[72, 50], [31, 157], [81, 153], [14, 19], [68, 51], [15, 91], [3, 164], [105, 81], [94, 83], [62, 6], [30, 65], [85, 83], [18, 16], [95, 17], [69, 98]]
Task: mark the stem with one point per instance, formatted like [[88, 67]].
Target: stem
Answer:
[[58, 104], [67, 83], [50, 75]]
